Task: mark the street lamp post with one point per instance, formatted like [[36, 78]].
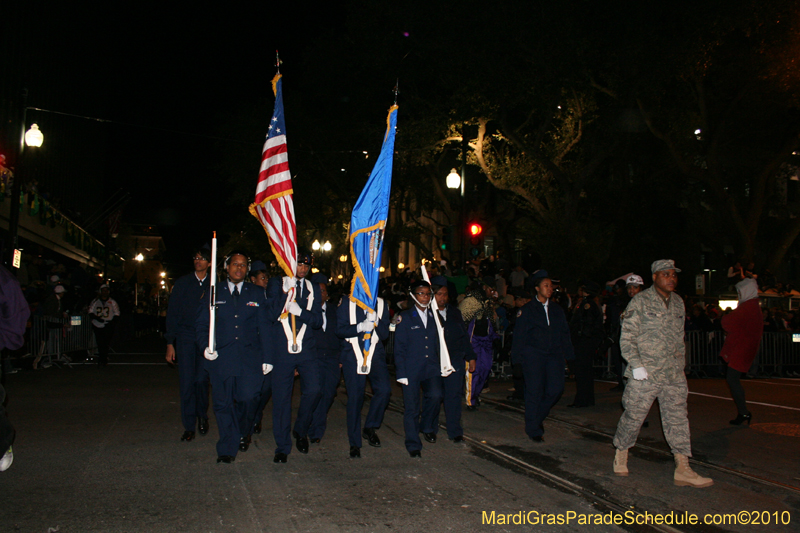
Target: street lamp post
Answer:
[[33, 138], [456, 182]]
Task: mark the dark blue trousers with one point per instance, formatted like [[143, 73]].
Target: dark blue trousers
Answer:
[[193, 379], [235, 399], [329, 376], [356, 385], [453, 389], [544, 384], [282, 385], [263, 399], [426, 420]]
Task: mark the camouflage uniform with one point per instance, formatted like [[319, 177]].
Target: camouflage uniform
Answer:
[[652, 337]]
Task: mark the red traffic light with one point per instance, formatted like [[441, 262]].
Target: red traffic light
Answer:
[[475, 229]]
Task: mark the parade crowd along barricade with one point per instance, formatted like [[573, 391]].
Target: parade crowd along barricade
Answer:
[[778, 355]]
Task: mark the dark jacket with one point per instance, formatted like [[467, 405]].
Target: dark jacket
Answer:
[[188, 295], [345, 330], [455, 335], [241, 331], [312, 318], [416, 347], [533, 337], [329, 345]]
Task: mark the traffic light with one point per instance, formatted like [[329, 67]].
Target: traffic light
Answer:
[[475, 232], [447, 238]]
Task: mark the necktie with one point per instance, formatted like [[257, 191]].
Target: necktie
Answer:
[[235, 294], [299, 289]]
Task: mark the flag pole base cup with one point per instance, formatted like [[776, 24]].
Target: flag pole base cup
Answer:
[[294, 348], [364, 369], [209, 354]]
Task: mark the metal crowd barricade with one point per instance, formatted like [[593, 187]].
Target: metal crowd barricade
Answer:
[[778, 355], [53, 338]]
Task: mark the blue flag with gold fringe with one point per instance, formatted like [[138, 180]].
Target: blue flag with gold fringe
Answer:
[[368, 223]]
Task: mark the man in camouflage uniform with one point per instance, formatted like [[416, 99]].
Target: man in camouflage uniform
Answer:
[[652, 344]]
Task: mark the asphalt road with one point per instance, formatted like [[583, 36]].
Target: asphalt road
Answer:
[[98, 450]]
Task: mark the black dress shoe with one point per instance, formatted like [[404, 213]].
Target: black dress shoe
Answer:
[[295, 434], [472, 408], [280, 458], [372, 437], [316, 441], [244, 443], [187, 436], [257, 428], [302, 445], [537, 438], [202, 425], [460, 438], [227, 459], [741, 419], [355, 452], [416, 454], [429, 437]]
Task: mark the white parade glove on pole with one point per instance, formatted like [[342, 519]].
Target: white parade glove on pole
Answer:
[[265, 368], [403, 381], [288, 283], [365, 326], [294, 308], [639, 374]]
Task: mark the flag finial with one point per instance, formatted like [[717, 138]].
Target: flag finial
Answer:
[[396, 90], [278, 62]]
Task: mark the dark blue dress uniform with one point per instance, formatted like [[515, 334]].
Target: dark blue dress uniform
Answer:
[[541, 346], [378, 373], [329, 349], [461, 352], [236, 374], [416, 356], [305, 362], [188, 296]]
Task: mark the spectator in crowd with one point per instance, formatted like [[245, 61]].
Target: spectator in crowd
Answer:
[[103, 311], [517, 276], [586, 327], [745, 329], [735, 274], [478, 311], [14, 313], [614, 306]]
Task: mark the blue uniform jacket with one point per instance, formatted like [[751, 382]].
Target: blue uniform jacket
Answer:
[[533, 337], [241, 331], [455, 335], [188, 295], [416, 347], [345, 330], [328, 342], [313, 318]]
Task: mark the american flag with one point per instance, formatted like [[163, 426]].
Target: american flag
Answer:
[[273, 205]]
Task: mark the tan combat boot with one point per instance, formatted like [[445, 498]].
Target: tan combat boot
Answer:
[[621, 463], [686, 477]]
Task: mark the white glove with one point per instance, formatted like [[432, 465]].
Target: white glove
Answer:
[[372, 317], [288, 283], [265, 368], [403, 381], [365, 326], [640, 374], [294, 308]]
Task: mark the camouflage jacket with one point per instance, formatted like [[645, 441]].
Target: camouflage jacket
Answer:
[[652, 336]]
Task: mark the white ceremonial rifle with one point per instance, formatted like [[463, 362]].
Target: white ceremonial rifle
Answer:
[[444, 354], [210, 352]]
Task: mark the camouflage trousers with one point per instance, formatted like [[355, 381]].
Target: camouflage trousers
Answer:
[[637, 400]]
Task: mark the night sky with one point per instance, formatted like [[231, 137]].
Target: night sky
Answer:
[[171, 81]]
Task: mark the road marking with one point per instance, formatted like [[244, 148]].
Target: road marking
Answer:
[[748, 401]]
